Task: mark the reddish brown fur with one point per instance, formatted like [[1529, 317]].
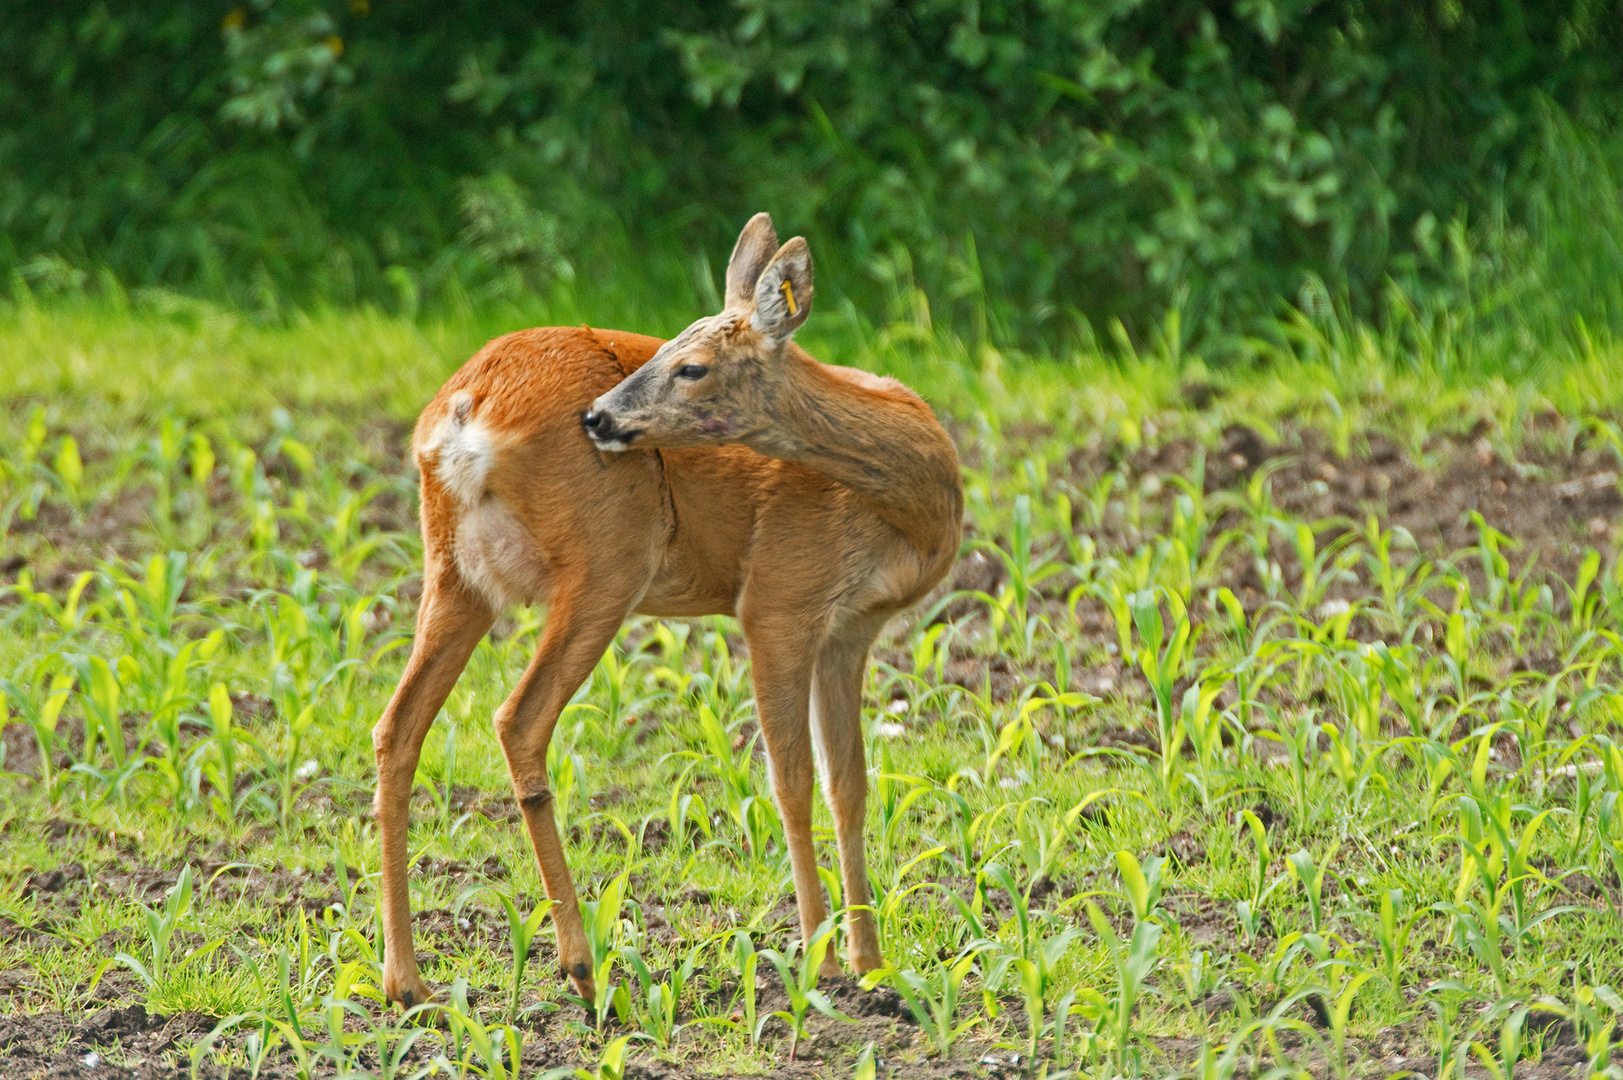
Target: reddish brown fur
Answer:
[[813, 555]]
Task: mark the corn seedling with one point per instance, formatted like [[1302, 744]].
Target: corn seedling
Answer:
[[1392, 927], [1142, 882], [1333, 1002], [935, 1000], [161, 924], [1311, 875], [602, 923], [521, 931], [748, 959], [798, 966], [610, 1064], [41, 718], [1131, 961], [498, 1047], [660, 999]]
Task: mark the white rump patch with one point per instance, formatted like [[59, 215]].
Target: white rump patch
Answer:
[[465, 452]]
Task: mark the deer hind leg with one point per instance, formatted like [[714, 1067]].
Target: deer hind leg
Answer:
[[581, 624], [781, 665], [450, 622], [837, 719]]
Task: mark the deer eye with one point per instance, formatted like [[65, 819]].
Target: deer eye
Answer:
[[692, 371]]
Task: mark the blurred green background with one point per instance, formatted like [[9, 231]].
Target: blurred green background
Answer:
[[1033, 170]]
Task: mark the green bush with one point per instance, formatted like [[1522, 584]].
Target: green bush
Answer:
[[1029, 163]]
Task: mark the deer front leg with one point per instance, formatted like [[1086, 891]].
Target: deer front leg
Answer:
[[782, 668], [579, 628], [450, 623]]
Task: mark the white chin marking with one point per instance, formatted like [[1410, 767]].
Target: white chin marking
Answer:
[[612, 445]]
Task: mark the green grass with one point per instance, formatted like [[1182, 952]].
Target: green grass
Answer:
[[1193, 779]]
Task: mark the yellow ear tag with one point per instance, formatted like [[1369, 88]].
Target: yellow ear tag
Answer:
[[788, 291]]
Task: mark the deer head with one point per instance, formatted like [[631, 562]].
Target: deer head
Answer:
[[715, 382]]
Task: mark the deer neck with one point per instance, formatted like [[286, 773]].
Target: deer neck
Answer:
[[874, 437]]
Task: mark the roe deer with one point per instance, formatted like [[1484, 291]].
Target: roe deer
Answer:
[[723, 472]]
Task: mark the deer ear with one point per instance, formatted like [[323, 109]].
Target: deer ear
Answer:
[[750, 255], [783, 293]]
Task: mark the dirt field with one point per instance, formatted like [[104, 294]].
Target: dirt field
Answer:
[[1412, 695]]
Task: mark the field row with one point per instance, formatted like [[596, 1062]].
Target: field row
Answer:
[[1234, 742]]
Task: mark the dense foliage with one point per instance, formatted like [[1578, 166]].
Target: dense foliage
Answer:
[[1024, 160]]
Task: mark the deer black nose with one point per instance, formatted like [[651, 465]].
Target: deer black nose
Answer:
[[594, 420]]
